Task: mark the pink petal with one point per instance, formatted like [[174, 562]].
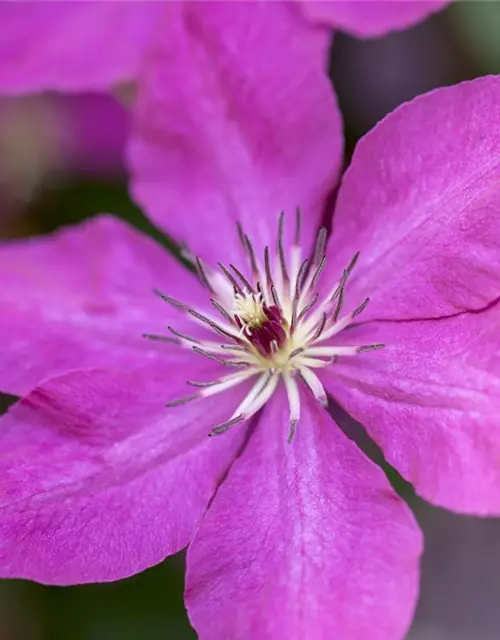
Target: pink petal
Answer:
[[431, 399], [236, 122], [73, 46], [92, 129], [83, 298], [306, 540], [420, 200], [372, 18], [100, 480]]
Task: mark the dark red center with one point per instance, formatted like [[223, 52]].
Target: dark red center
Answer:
[[270, 335]]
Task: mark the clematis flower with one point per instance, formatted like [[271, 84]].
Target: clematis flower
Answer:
[[286, 539], [79, 46]]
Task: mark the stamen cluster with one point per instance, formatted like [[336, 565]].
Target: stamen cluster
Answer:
[[272, 326]]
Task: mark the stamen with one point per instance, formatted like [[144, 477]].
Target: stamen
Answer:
[[235, 347], [183, 336], [369, 347], [273, 328], [185, 400], [247, 407], [274, 295], [340, 303], [171, 301], [222, 311], [203, 276], [266, 392], [241, 234], [251, 255], [213, 325], [340, 351], [319, 328], [158, 338], [352, 264], [298, 226], [308, 307], [361, 307], [231, 278], [315, 363], [316, 276], [242, 278], [319, 251], [225, 426], [281, 252], [267, 265], [228, 382], [212, 356], [314, 383], [301, 276], [202, 385], [293, 322], [292, 391], [340, 288], [295, 352]]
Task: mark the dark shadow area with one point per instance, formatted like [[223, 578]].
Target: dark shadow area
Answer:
[[460, 583], [373, 77], [6, 401], [358, 434], [147, 606]]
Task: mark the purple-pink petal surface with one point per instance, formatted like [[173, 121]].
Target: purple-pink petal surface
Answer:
[[225, 133], [73, 46], [306, 540], [421, 202], [424, 211], [370, 18], [99, 480], [431, 400], [83, 297]]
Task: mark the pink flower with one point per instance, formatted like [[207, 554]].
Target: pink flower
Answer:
[[297, 540], [77, 46]]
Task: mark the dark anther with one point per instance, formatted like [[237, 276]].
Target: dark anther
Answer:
[[225, 426], [242, 278], [298, 226], [361, 307], [183, 335], [281, 251], [319, 251], [203, 275], [370, 347], [185, 400]]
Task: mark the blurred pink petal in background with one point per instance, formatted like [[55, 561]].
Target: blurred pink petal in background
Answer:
[[44, 138], [73, 46], [370, 18]]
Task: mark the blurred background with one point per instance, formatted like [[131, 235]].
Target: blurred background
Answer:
[[61, 160]]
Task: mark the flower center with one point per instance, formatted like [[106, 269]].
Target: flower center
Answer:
[[262, 325], [271, 326]]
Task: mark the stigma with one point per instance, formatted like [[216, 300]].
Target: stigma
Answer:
[[270, 325]]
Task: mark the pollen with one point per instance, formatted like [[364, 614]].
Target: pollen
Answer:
[[249, 308], [271, 326]]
